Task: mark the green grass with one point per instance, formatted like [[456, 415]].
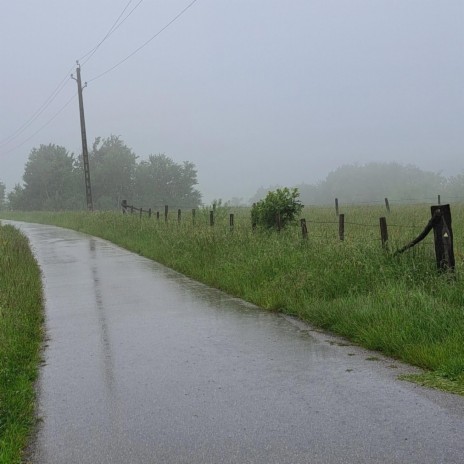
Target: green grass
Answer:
[[21, 319], [399, 305]]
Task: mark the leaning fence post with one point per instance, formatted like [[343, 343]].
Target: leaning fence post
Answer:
[[304, 229], [443, 234], [341, 226], [166, 211], [337, 212], [383, 231], [387, 204]]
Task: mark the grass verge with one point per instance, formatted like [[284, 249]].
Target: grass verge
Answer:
[[21, 320], [399, 305]]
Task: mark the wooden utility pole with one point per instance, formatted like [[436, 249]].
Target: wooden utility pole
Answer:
[[85, 152]]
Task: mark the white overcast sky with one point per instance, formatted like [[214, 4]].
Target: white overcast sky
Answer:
[[253, 92]]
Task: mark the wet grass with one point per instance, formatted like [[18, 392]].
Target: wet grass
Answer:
[[399, 305], [20, 337]]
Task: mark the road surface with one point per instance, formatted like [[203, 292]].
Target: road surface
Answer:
[[143, 365]]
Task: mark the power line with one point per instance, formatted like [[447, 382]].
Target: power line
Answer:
[[145, 43], [116, 25], [63, 83], [43, 126], [38, 112]]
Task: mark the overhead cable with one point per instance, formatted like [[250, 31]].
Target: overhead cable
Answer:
[[144, 44]]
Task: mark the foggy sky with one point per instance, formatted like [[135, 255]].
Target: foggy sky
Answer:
[[253, 92]]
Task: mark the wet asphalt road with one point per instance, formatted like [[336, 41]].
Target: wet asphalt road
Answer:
[[143, 365]]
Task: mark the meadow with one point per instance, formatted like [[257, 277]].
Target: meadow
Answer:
[[397, 304], [21, 319]]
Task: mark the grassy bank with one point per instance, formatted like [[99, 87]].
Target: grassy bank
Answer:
[[20, 338], [398, 305]]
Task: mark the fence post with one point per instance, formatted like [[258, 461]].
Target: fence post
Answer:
[[443, 234], [211, 218], [337, 212], [387, 204], [166, 211], [439, 200], [193, 216], [124, 206], [158, 215], [231, 222], [179, 214], [383, 231], [341, 226], [132, 209], [149, 212], [304, 229]]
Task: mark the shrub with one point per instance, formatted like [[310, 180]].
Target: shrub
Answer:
[[281, 203]]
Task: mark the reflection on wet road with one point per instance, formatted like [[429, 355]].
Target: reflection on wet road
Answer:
[[143, 365]]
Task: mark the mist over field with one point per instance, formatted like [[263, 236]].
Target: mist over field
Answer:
[[251, 93]]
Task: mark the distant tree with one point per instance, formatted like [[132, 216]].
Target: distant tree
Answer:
[[112, 169], [373, 182], [160, 181], [16, 198], [50, 181], [2, 195], [454, 188], [282, 202]]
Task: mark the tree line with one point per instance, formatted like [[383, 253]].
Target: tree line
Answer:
[[54, 179], [373, 182]]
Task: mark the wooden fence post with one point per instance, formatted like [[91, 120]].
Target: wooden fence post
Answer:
[[383, 231], [337, 212], [149, 212], [124, 206], [211, 218], [387, 204], [158, 215], [443, 234], [304, 229], [341, 226], [179, 214], [166, 212], [231, 222], [439, 200], [193, 216]]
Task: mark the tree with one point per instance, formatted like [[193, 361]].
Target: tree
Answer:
[[50, 181], [112, 170], [2, 195], [279, 208], [160, 181]]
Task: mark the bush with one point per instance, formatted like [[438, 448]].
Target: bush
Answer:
[[282, 203]]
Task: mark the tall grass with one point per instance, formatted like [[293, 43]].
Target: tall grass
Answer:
[[20, 337], [399, 305]]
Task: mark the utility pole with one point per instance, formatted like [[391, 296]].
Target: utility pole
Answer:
[[85, 153]]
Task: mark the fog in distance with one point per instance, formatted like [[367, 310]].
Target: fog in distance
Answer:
[[253, 92]]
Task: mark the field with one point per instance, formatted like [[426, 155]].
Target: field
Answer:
[[20, 337], [399, 305]]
